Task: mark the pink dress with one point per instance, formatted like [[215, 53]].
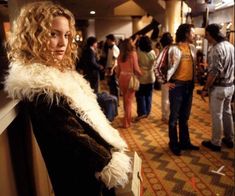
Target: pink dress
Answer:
[[124, 72]]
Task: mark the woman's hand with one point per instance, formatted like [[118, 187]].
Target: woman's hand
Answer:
[[204, 93], [101, 67], [170, 85], [204, 64]]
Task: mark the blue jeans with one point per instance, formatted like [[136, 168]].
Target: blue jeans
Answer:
[[180, 107], [221, 113], [144, 99], [113, 86]]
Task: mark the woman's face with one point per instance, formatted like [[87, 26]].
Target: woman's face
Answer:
[[59, 37]]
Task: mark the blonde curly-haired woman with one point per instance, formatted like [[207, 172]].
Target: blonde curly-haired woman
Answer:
[[83, 153]]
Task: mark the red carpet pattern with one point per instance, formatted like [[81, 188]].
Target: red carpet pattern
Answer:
[[191, 173]]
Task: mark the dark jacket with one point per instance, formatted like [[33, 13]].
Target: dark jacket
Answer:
[[72, 150], [91, 68]]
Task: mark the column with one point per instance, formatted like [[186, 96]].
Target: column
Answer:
[[173, 15], [135, 26]]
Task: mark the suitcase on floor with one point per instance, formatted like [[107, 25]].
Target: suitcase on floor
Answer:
[[108, 104], [135, 184]]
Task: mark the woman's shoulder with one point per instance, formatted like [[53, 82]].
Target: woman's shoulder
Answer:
[[152, 53], [133, 54], [58, 105]]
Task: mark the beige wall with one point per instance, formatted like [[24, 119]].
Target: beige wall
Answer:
[[42, 181], [224, 16], [220, 16], [7, 180]]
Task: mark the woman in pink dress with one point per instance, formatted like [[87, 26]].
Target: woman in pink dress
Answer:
[[127, 65]]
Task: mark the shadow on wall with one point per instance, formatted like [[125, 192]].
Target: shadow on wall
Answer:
[[3, 64]]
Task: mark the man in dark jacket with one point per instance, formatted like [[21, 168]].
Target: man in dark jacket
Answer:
[[91, 68]]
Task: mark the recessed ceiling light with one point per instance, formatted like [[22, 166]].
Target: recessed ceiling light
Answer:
[[92, 12]]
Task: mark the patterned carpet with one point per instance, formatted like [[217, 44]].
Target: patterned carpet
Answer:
[[191, 173]]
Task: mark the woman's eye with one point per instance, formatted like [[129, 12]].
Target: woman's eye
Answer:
[[67, 36], [53, 34]]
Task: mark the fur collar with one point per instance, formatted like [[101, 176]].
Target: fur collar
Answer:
[[28, 81]]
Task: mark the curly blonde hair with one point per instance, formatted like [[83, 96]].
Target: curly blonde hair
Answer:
[[29, 41]]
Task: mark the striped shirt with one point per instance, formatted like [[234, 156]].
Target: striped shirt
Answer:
[[221, 63]]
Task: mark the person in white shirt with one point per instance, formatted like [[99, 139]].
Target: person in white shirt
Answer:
[[113, 53], [166, 40]]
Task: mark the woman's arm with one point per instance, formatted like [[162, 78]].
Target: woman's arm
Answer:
[[118, 70], [136, 66], [61, 125]]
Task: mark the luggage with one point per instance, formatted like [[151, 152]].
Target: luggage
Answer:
[[135, 185], [108, 104]]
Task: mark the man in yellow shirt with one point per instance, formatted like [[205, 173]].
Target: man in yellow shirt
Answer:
[[180, 77]]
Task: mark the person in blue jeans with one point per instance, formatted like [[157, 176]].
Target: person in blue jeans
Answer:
[[180, 80], [146, 59], [111, 65]]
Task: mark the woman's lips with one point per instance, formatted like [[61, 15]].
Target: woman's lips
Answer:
[[59, 52]]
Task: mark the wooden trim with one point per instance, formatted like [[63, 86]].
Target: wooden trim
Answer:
[[8, 111]]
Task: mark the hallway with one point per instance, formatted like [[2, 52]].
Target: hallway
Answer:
[[191, 173]]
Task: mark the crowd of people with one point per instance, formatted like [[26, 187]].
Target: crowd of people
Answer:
[[80, 147], [176, 66], [184, 65]]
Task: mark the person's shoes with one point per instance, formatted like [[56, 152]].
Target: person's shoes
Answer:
[[140, 117], [175, 150], [211, 146], [189, 147], [227, 143], [165, 120]]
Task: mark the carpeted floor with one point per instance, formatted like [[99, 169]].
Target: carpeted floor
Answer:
[[191, 173]]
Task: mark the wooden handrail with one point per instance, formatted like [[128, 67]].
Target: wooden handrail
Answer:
[[8, 111]]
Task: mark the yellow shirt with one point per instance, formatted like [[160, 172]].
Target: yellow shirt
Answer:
[[184, 71]]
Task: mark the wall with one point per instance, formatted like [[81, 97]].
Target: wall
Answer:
[[219, 16], [91, 28], [7, 180], [223, 15], [117, 26], [197, 21]]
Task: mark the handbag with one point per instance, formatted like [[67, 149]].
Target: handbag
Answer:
[[135, 185], [134, 83]]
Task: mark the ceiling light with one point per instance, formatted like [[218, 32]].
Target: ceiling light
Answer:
[[92, 12]]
